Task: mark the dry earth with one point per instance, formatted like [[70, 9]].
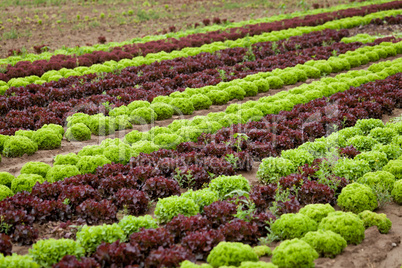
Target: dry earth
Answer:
[[61, 27]]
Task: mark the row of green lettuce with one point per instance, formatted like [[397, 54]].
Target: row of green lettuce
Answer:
[[112, 66], [316, 230], [81, 126], [106, 47], [380, 160], [135, 142]]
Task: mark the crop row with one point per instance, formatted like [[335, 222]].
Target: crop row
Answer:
[[57, 112], [107, 47], [171, 69], [81, 125], [163, 78], [112, 65], [219, 221], [259, 145]]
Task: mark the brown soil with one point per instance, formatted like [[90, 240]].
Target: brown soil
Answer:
[[395, 113], [14, 165], [62, 28], [372, 29]]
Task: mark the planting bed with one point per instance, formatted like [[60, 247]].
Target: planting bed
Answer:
[[281, 148]]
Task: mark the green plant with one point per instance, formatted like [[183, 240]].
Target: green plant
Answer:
[[131, 224], [299, 157], [376, 160], [38, 168], [167, 141], [189, 133], [347, 224], [202, 198], [78, 132], [182, 106], [294, 253], [92, 236], [146, 147], [25, 182], [60, 172], [91, 150], [250, 88], [88, 164], [16, 146], [351, 169], [66, 159], [376, 219], [290, 226], [17, 261], [50, 251], [200, 101], [56, 128], [357, 197], [5, 192], [395, 168], [47, 139], [362, 143], [6, 179], [3, 139], [317, 211], [118, 153], [189, 264], [224, 185], [391, 150], [378, 178], [231, 253], [383, 135], [262, 250], [235, 92], [101, 125], [397, 192], [170, 207], [232, 159], [326, 243], [185, 180], [366, 125], [218, 97], [163, 111], [273, 168]]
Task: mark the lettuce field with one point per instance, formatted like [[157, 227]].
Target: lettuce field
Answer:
[[186, 134]]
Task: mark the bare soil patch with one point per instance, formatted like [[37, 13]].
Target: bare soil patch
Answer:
[[60, 25]]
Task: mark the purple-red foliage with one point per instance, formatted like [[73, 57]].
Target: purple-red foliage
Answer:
[[180, 225], [240, 231], [149, 239], [118, 254], [135, 201], [263, 195], [312, 192], [263, 220], [70, 261], [97, 212], [112, 184], [78, 194], [24, 235], [160, 187], [200, 243], [348, 151], [168, 257], [101, 39], [5, 245], [219, 212]]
